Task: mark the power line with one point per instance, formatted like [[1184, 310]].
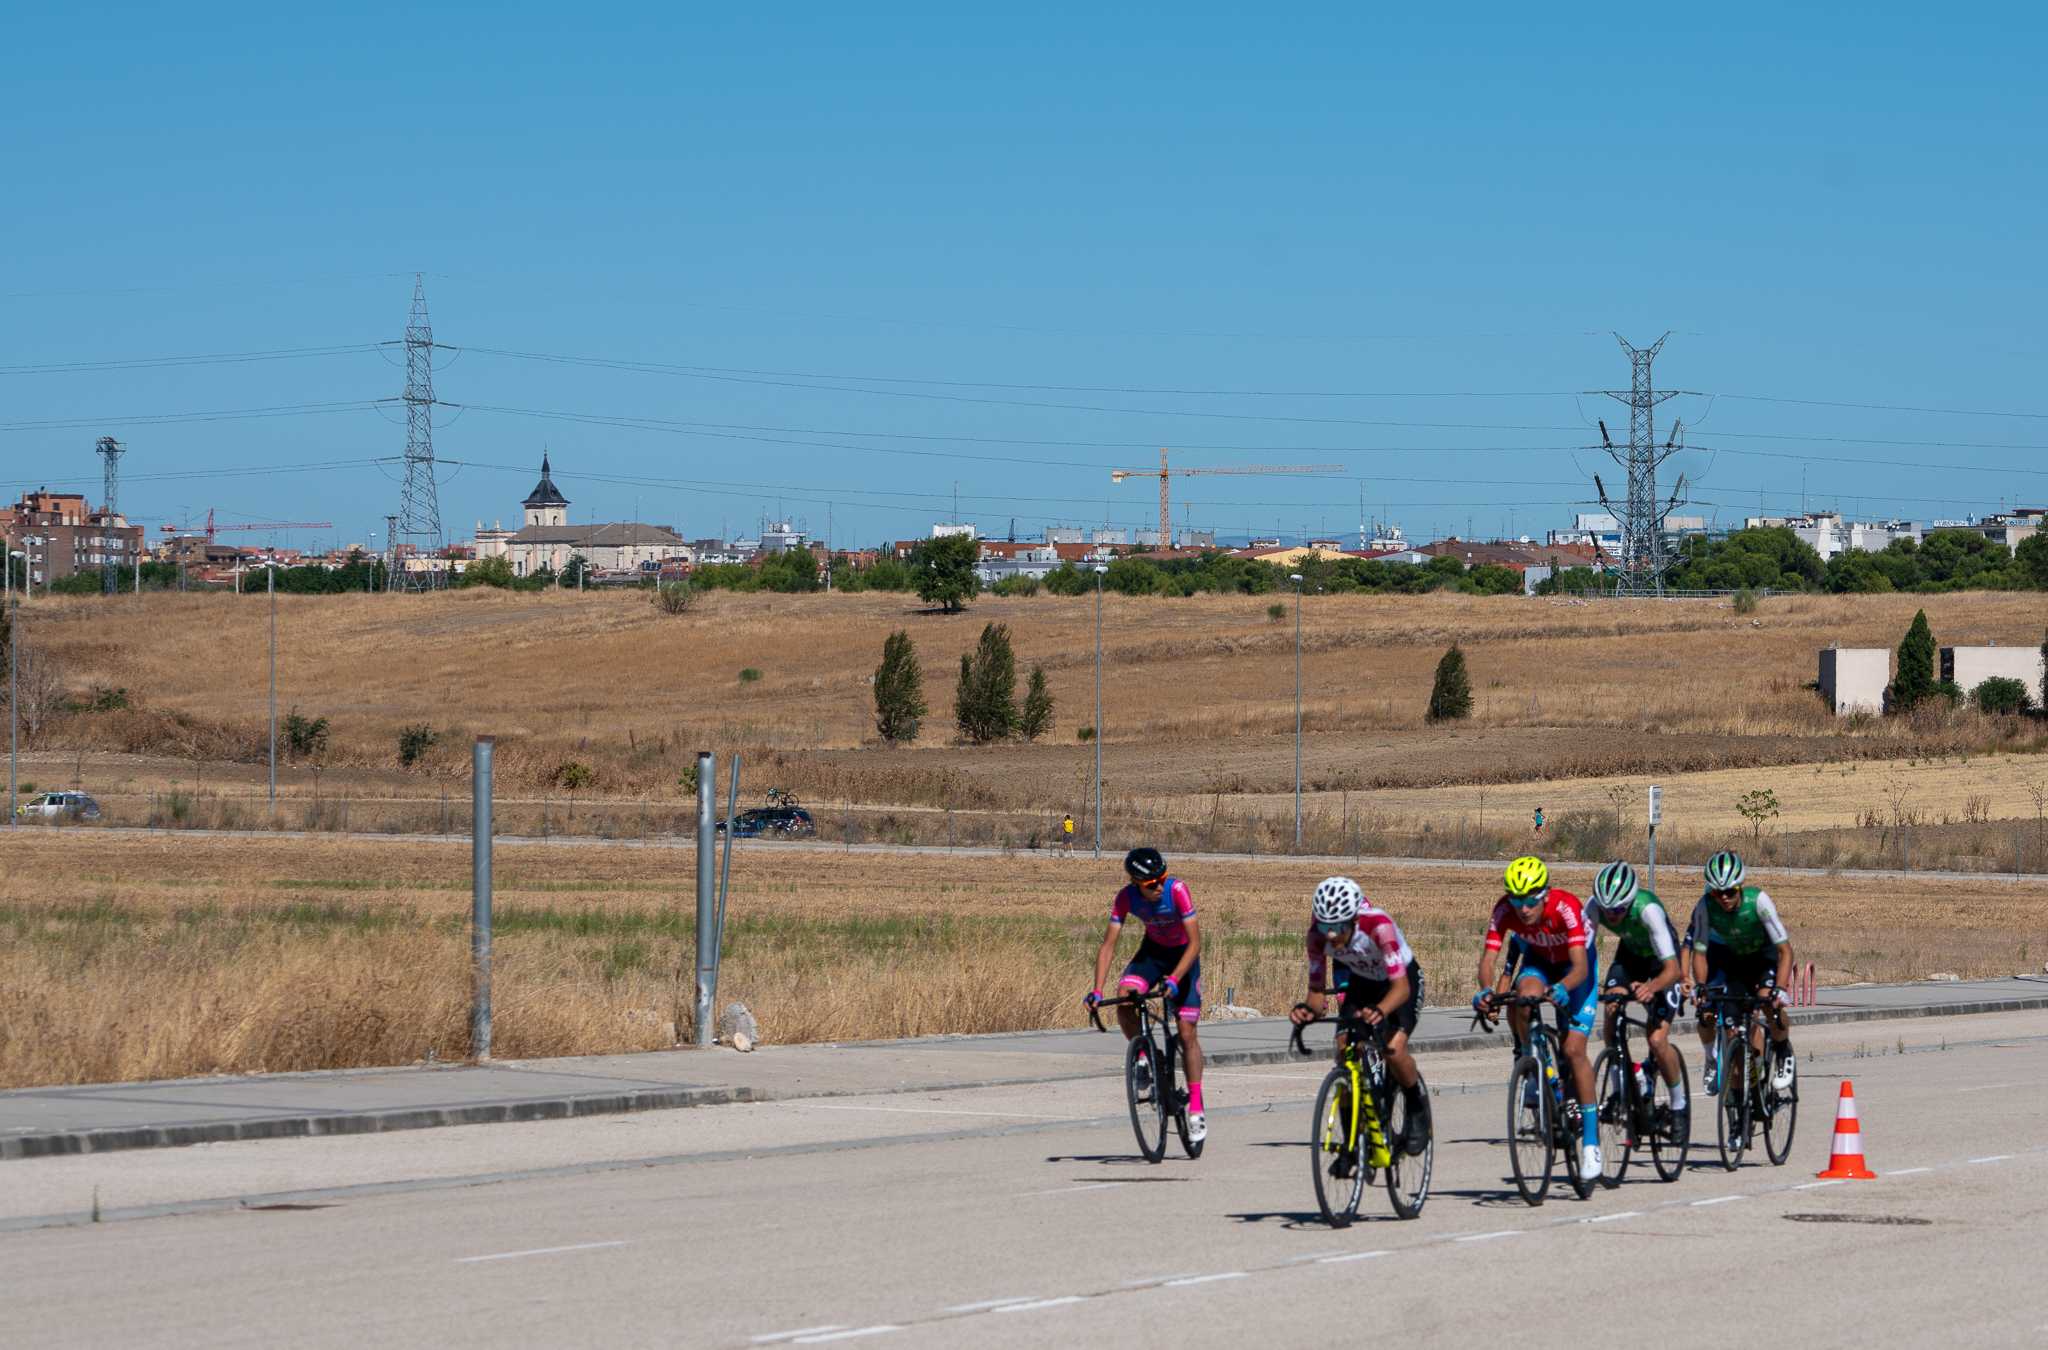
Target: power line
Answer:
[[201, 359]]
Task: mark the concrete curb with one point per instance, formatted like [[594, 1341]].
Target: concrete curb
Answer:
[[568, 1106]]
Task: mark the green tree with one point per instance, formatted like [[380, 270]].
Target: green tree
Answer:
[[944, 569], [1067, 579], [899, 690], [1037, 716], [495, 572], [2031, 561], [1915, 681], [2000, 694], [414, 742], [1451, 696], [304, 737], [1756, 807], [985, 703]]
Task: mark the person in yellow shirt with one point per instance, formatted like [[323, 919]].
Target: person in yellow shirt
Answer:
[[1067, 833]]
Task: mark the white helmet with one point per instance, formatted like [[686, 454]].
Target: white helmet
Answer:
[[1337, 900]]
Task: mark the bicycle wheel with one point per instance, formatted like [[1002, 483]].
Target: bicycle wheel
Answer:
[[1330, 1145], [1670, 1131], [1147, 1098], [1529, 1128], [1611, 1081], [1408, 1177], [1781, 1118], [1732, 1119]]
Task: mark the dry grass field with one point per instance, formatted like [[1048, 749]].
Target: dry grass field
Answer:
[[126, 958], [1198, 692]]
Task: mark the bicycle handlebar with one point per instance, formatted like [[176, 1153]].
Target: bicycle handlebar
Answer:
[[1122, 1000], [1344, 1021]]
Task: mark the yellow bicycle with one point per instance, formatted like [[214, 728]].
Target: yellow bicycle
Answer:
[[1360, 1119]]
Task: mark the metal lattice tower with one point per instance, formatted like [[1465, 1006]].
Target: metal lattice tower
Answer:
[[390, 549], [111, 451], [419, 505], [1642, 518]]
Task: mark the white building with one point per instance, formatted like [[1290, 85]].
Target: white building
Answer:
[[1826, 533], [1853, 679], [549, 541], [1971, 666]]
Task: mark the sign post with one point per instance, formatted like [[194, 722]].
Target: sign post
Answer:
[[1656, 816]]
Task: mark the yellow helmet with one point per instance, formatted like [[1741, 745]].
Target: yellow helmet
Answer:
[[1527, 876]]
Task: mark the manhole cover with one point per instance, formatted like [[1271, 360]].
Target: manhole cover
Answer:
[[1900, 1220]]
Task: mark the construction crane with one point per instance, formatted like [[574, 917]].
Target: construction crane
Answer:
[[1163, 473], [213, 529]]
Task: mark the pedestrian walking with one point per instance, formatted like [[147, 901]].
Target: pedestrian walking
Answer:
[[1067, 834], [1539, 820]]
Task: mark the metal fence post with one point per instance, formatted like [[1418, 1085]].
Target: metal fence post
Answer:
[[732, 806], [480, 901], [1656, 814], [707, 893]]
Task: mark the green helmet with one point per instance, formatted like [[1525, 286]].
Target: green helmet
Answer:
[[1725, 871], [1615, 887]]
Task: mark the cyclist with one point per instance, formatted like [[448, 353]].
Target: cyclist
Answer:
[[1558, 961], [1737, 939], [1356, 950], [1645, 963], [1169, 957]]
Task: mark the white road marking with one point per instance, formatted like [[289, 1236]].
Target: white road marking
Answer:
[[538, 1251], [773, 1336], [1152, 1279], [1069, 1190], [1909, 1171], [1348, 1256], [1995, 1157], [931, 1111], [1990, 1087], [988, 1303], [1488, 1237], [1040, 1303], [1625, 1214], [1717, 1200], [1204, 1279], [1816, 1185], [846, 1335]]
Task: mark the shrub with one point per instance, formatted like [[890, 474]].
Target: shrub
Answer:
[[495, 572], [1915, 680], [749, 675], [1015, 586], [2002, 695], [414, 742], [1756, 807], [985, 701], [1037, 715], [1745, 601], [899, 690], [674, 597], [105, 699], [1276, 612], [1084, 734], [305, 736], [1450, 697], [573, 775]]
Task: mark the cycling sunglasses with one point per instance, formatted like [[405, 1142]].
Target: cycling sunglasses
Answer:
[[1531, 900], [1334, 930], [1725, 891], [1154, 884]]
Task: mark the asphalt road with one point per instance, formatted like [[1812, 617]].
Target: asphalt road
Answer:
[[1017, 1216]]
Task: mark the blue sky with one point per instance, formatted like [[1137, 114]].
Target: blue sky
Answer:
[[932, 224]]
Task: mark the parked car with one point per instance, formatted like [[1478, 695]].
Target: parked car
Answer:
[[780, 822], [59, 806]]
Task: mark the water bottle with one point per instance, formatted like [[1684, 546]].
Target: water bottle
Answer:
[[1642, 1081]]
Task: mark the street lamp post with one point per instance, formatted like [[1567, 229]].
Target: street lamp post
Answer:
[[1099, 570], [272, 572], [1296, 579], [13, 703]]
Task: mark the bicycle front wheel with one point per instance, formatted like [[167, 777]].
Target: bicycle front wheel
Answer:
[[1670, 1131], [1408, 1175], [1148, 1082], [1617, 1125], [1732, 1119], [1529, 1127], [1332, 1150]]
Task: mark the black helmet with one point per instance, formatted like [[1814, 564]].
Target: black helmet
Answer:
[[1145, 864]]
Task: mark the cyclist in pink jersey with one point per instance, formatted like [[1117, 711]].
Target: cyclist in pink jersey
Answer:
[[1356, 950], [1169, 957]]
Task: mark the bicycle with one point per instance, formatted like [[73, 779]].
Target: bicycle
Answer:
[[1541, 1123], [1631, 1113], [1356, 1120], [1748, 1099], [1160, 1098], [779, 797]]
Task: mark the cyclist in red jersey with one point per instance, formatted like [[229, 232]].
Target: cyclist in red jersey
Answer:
[[1558, 961]]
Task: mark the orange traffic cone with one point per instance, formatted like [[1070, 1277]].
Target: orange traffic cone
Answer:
[[1845, 1162]]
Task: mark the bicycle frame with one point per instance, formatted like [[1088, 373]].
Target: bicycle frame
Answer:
[[1364, 1055]]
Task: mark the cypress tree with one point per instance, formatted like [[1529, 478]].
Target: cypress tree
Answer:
[[899, 690], [1451, 696], [985, 702], [1915, 680], [1037, 706]]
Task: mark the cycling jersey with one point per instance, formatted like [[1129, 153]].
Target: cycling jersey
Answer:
[[1753, 926], [1645, 930], [1549, 933], [1164, 917], [1375, 951]]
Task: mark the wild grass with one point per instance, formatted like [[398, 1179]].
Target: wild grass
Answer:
[[175, 956]]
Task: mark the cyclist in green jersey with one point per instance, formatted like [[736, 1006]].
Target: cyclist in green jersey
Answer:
[[1645, 963], [1738, 941]]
